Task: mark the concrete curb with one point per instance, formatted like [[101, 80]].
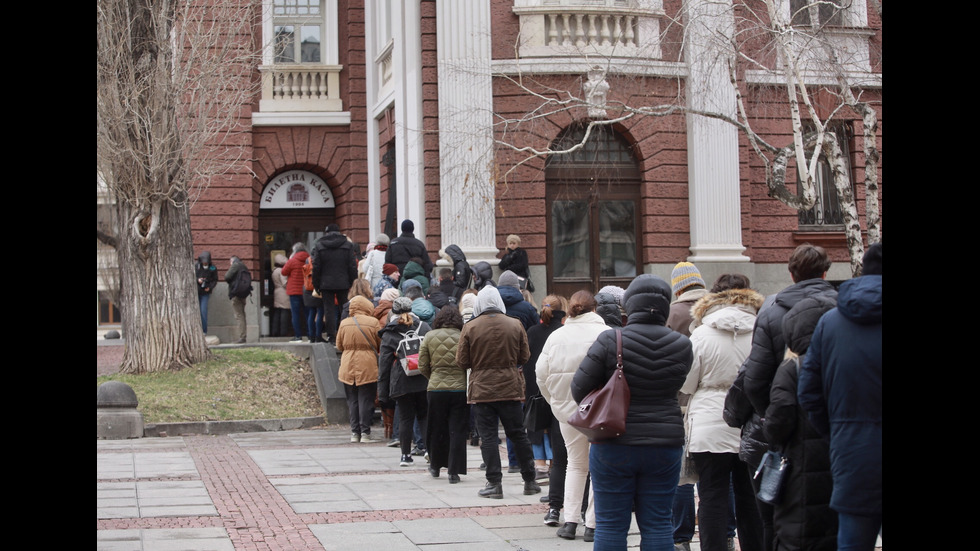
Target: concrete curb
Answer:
[[230, 427]]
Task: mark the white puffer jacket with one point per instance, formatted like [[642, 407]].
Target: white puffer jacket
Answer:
[[560, 358], [721, 341]]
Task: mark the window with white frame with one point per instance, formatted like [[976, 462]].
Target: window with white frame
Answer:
[[828, 13], [298, 31], [826, 213]]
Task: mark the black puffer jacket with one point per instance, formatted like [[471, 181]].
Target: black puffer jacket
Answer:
[[768, 343], [482, 275], [738, 413], [804, 519], [334, 262], [656, 361], [461, 271]]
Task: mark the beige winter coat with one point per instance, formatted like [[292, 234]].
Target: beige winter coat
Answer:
[[359, 361]]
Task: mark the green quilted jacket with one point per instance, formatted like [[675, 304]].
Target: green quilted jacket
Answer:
[[437, 360]]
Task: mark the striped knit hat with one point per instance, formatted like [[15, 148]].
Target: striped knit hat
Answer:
[[683, 276]]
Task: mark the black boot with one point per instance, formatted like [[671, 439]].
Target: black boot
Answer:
[[567, 531], [493, 491]]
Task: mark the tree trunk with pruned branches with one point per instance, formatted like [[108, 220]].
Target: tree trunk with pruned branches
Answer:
[[173, 77]]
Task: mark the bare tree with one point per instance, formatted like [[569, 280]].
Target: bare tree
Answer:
[[174, 80], [796, 46]]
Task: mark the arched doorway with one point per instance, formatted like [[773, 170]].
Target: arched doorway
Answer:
[[295, 206], [593, 198]]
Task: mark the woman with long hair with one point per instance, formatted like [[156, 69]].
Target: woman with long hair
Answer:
[[641, 467], [559, 360], [408, 391], [448, 414], [552, 316]]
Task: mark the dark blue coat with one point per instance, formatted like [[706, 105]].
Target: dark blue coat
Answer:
[[519, 308], [840, 390]]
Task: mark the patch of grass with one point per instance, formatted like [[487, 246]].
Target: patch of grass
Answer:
[[238, 384]]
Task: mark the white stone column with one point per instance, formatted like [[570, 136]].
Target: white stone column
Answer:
[[466, 150], [407, 72], [712, 145]]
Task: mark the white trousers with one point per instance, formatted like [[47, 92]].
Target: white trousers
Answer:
[[577, 446]]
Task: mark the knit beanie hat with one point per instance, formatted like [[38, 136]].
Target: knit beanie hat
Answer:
[[389, 269], [390, 294], [383, 239], [509, 279], [408, 226], [683, 276], [401, 305]]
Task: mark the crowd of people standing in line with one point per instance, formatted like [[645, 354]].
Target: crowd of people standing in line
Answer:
[[717, 377]]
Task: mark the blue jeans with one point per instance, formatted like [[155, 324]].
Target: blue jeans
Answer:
[[624, 476], [857, 533], [296, 307], [314, 323], [203, 300], [683, 513]]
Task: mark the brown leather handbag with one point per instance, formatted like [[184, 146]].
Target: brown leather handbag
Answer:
[[601, 415]]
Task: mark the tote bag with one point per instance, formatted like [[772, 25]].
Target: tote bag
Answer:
[[601, 415]]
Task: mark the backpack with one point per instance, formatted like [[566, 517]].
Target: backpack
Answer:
[[242, 286], [308, 274], [408, 352]]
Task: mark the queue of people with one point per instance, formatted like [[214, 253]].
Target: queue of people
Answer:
[[718, 377]]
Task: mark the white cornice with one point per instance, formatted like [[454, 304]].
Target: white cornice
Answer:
[[581, 65], [338, 118]]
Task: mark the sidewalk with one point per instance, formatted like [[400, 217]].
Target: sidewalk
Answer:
[[305, 490]]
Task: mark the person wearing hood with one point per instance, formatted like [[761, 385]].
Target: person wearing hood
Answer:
[[723, 322], [609, 305], [482, 275], [840, 391], [493, 346], [803, 518], [555, 368], [207, 278], [510, 292], [466, 304], [407, 391], [642, 466], [358, 342], [404, 247], [374, 260], [334, 270], [293, 270], [461, 272], [383, 310], [421, 306], [413, 272], [279, 321]]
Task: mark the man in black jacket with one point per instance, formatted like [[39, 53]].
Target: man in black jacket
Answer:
[[334, 271], [404, 247]]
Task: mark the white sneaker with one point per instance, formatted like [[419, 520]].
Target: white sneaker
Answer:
[[355, 438], [366, 439]]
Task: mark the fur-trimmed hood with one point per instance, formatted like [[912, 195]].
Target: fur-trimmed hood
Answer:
[[745, 300]]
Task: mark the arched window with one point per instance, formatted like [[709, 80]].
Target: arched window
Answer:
[[593, 204]]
